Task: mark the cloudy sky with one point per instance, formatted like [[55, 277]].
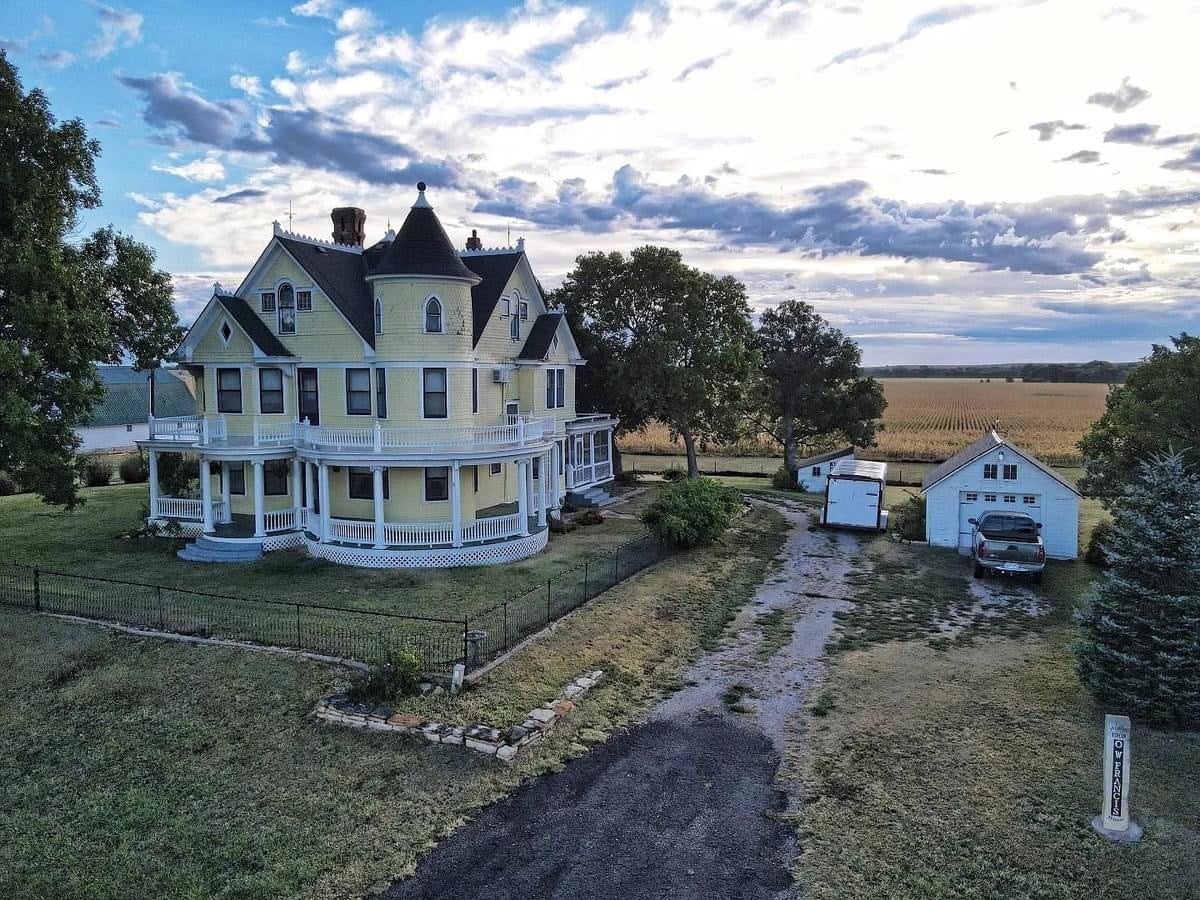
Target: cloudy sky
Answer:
[[989, 181]]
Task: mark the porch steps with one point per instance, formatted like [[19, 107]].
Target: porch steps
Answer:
[[593, 497], [205, 549]]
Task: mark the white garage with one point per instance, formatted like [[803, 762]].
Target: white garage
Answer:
[[994, 475], [812, 473]]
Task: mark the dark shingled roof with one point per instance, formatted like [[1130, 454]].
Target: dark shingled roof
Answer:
[[975, 450], [259, 333], [494, 269], [824, 457], [537, 345], [341, 275], [127, 397], [422, 247]]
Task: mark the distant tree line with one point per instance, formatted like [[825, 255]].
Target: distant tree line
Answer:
[[1095, 372]]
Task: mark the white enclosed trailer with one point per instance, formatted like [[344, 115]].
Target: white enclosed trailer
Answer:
[[854, 495]]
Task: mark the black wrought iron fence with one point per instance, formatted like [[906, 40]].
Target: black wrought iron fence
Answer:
[[367, 636]]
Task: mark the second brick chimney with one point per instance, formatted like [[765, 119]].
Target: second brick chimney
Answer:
[[349, 225]]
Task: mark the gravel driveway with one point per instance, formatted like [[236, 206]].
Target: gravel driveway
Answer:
[[680, 806]]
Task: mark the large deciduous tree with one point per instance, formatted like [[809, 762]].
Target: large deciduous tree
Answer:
[[663, 341], [1141, 625], [812, 390], [1156, 410], [64, 306]]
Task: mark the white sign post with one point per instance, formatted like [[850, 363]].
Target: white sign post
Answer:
[[1114, 821]]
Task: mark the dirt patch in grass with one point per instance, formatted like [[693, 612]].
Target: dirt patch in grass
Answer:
[[154, 769], [974, 770]]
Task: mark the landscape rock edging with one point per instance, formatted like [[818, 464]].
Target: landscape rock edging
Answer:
[[503, 745]]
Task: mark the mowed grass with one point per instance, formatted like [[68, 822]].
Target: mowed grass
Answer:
[[88, 541], [142, 768], [969, 765], [927, 419]]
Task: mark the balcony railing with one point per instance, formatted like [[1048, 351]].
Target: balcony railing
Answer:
[[586, 475], [187, 509], [510, 432]]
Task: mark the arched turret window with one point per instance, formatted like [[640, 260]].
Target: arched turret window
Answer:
[[287, 309], [378, 317], [433, 316]]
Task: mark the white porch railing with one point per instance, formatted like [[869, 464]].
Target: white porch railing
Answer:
[[274, 433], [177, 508], [492, 528], [352, 531], [418, 533], [524, 431], [283, 520], [592, 473]]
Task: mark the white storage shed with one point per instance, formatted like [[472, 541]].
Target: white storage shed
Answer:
[[812, 472], [994, 475], [854, 495]]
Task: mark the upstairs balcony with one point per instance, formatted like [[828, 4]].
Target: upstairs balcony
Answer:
[[509, 432]]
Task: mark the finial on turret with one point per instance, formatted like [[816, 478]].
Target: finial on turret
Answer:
[[421, 203]]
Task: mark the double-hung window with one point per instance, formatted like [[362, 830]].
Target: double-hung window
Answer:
[[358, 392], [1010, 473], [437, 483], [237, 478], [287, 309], [433, 316], [524, 307], [556, 388], [474, 390], [990, 471], [362, 484], [270, 391], [266, 301], [275, 477], [229, 390], [304, 301], [514, 327], [381, 393], [433, 399]]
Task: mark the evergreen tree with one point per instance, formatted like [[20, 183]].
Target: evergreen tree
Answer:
[[1141, 647]]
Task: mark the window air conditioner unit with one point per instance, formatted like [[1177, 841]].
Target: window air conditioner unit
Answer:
[[501, 375]]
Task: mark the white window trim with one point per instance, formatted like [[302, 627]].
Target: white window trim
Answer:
[[433, 298], [346, 393], [377, 316], [425, 484], [279, 310], [311, 296], [282, 389], [421, 395]]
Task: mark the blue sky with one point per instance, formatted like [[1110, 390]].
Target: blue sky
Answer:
[[973, 182]]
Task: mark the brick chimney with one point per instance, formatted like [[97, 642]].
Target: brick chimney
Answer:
[[349, 225], [473, 242]]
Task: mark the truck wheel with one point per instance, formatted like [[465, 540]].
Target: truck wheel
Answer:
[[978, 570], [1037, 577]]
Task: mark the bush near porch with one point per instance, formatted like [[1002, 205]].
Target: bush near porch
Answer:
[[89, 541]]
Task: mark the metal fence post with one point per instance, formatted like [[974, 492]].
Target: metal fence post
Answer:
[[299, 641], [466, 626], [616, 565], [585, 580], [37, 589], [548, 582], [505, 626], [158, 594]]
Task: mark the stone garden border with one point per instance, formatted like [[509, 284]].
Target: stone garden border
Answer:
[[502, 745]]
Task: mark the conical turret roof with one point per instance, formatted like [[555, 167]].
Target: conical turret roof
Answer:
[[422, 247]]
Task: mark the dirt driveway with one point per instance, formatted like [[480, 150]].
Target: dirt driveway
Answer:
[[680, 806]]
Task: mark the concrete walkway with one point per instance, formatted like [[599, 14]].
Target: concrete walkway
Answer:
[[682, 805]]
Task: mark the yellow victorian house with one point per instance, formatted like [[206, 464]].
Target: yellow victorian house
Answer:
[[405, 404]]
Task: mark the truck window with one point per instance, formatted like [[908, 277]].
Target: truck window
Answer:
[[1008, 528]]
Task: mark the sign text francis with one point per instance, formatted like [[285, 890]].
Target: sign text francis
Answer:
[[1113, 821]]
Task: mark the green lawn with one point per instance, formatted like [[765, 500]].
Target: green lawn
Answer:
[[88, 541], [141, 768], [966, 762]]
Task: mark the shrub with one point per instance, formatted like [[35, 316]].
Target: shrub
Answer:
[[133, 470], [692, 513], [674, 474], [8, 485], [908, 519], [1095, 554], [560, 526], [178, 474], [397, 676], [784, 480], [96, 472], [590, 517]]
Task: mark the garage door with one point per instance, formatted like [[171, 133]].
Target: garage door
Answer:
[[971, 505]]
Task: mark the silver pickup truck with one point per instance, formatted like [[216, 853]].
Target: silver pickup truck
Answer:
[[1008, 543]]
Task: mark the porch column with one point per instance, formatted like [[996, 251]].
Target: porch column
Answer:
[[260, 517], [296, 476], [206, 513], [544, 469], [323, 487], [523, 494], [456, 504], [308, 494], [152, 456], [226, 495], [377, 485]]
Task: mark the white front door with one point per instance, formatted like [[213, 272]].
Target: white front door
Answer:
[[970, 506]]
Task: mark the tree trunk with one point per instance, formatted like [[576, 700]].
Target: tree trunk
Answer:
[[689, 444], [618, 465], [789, 446]]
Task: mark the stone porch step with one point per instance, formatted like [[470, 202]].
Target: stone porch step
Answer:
[[205, 549]]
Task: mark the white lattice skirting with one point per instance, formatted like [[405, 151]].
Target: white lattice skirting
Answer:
[[283, 541], [439, 558]]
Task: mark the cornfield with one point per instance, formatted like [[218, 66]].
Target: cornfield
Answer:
[[929, 419]]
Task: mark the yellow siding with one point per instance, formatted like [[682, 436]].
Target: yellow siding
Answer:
[[323, 334], [211, 349], [403, 336]]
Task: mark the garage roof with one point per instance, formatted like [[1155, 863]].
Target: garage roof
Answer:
[[985, 444]]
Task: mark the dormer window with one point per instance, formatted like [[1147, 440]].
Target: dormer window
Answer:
[[514, 327], [267, 301], [286, 316], [433, 316], [378, 317]]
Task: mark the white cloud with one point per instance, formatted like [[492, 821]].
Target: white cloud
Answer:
[[356, 18], [118, 28], [250, 85], [323, 9], [206, 169]]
